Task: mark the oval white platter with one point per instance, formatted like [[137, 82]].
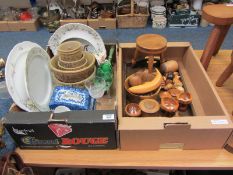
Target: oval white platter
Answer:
[[38, 78], [82, 33], [15, 75]]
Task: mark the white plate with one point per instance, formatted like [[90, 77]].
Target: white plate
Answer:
[[82, 33], [38, 78], [15, 75]]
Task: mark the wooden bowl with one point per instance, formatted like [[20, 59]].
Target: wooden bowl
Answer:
[[165, 94], [137, 97], [133, 110], [73, 76], [70, 51], [169, 105], [76, 84], [69, 47], [75, 65], [149, 106]]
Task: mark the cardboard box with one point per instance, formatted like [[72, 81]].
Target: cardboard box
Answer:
[[66, 21], [102, 23], [207, 126], [16, 26], [4, 26], [94, 129], [41, 130]]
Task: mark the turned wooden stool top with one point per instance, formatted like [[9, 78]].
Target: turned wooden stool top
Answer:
[[151, 43], [219, 14]]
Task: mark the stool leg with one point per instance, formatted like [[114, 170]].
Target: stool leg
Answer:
[[133, 61], [222, 36], [226, 74], [150, 63], [162, 59], [210, 46]]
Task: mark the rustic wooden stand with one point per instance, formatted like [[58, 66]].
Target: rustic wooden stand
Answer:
[[152, 45]]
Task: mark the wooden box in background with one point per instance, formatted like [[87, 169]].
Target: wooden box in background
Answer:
[[16, 26], [15, 3], [102, 23], [67, 21], [4, 26], [132, 20]]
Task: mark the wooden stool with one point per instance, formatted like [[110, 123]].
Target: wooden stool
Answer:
[[152, 45], [222, 16], [226, 74]]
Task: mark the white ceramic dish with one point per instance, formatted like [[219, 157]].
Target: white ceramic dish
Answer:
[[38, 78], [89, 38], [61, 109], [158, 9], [15, 75]]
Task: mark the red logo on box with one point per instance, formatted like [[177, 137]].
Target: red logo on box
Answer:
[[60, 129]]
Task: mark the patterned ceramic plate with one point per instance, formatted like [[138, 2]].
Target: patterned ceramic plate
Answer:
[[82, 33], [38, 78], [15, 75]]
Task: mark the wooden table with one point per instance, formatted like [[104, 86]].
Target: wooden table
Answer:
[[162, 159]]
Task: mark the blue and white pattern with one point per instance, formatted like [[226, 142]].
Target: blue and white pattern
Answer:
[[73, 98]]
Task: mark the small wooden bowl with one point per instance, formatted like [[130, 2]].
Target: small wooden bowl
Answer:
[[184, 100], [133, 110], [149, 106], [165, 94], [175, 92], [169, 106]]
